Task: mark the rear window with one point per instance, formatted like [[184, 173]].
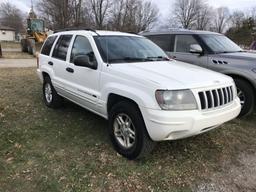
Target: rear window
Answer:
[[61, 47], [163, 41], [48, 45]]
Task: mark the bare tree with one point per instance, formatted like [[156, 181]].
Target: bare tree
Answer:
[[118, 13], [146, 16], [237, 19], [221, 19], [252, 13], [60, 13], [123, 15], [133, 15], [186, 12], [77, 11], [203, 17], [11, 16], [100, 12]]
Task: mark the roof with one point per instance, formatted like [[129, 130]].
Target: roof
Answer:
[[97, 32], [6, 28], [178, 31]]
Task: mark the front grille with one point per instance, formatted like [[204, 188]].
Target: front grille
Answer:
[[211, 99]]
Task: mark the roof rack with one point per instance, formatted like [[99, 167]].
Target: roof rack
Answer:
[[76, 29], [165, 30]]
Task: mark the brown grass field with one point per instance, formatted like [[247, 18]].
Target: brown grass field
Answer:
[[68, 150]]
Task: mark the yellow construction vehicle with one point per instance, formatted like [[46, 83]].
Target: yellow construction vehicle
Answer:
[[35, 34]]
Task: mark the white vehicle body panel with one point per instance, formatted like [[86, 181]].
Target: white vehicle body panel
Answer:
[[138, 82]]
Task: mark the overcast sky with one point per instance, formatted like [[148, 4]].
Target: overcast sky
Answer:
[[165, 5]]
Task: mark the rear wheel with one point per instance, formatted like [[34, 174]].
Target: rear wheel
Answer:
[[128, 132], [51, 97], [245, 92], [24, 47]]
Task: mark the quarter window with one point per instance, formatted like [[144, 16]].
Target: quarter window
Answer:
[[61, 48], [82, 46], [48, 45], [183, 42]]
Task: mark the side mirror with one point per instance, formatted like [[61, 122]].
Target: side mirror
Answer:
[[195, 48], [84, 61]]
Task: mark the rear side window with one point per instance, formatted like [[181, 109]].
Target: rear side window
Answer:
[[48, 45], [163, 41], [61, 48], [183, 42]]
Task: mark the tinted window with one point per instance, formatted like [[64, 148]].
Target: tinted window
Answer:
[[124, 49], [220, 44], [61, 48], [82, 46], [163, 41], [183, 42], [48, 45]]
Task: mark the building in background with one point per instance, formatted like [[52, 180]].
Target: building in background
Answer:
[[7, 33]]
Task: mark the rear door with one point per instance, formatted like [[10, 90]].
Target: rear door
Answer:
[[59, 63], [181, 51], [44, 57]]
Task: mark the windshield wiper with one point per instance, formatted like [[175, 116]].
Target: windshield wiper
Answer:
[[231, 51], [159, 58], [139, 59], [130, 59]]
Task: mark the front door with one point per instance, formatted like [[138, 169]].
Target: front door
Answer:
[[182, 51], [84, 81]]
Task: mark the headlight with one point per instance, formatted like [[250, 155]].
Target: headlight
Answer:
[[176, 100]]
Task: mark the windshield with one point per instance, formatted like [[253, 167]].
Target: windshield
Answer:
[[37, 25], [220, 44], [123, 49]]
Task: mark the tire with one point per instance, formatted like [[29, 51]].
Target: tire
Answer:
[[51, 97], [24, 47], [246, 94], [139, 143]]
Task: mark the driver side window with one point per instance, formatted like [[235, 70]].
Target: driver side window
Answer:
[[183, 42], [82, 46]]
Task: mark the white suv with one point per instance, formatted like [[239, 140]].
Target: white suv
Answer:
[[129, 80]]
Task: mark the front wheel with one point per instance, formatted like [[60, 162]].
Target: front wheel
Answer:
[[128, 132], [245, 92]]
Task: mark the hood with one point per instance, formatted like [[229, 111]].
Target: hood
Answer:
[[171, 74]]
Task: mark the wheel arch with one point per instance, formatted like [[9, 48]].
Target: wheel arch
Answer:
[[114, 98], [45, 74], [236, 76]]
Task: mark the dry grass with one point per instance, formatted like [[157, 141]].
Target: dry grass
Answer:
[[68, 149]]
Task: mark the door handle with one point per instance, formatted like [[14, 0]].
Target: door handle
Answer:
[[50, 63], [70, 70]]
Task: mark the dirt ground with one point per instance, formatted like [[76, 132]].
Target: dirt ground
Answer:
[[238, 176]]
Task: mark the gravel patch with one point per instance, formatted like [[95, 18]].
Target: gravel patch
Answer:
[[238, 177]]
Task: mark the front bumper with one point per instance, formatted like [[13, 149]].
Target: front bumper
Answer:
[[173, 125]]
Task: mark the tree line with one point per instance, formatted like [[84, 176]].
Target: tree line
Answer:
[[199, 15], [122, 15], [132, 16]]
